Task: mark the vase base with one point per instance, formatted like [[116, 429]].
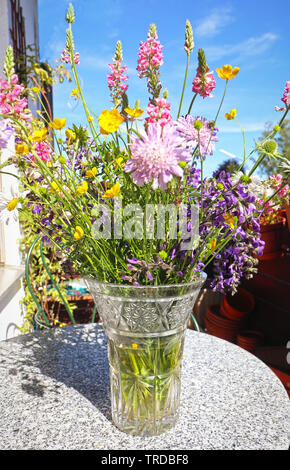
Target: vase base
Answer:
[[148, 429]]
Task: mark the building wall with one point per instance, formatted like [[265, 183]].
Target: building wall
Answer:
[[10, 313]]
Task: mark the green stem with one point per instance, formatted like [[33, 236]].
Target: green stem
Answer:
[[183, 88], [192, 101]]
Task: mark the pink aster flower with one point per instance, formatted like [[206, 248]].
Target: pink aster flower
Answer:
[[203, 139], [203, 84], [155, 156], [159, 112]]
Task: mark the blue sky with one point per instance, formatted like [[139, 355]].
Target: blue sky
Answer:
[[251, 34]]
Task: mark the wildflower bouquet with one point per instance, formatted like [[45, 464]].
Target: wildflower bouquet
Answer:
[[125, 199]]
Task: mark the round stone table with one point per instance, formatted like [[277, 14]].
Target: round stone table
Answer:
[[55, 395]]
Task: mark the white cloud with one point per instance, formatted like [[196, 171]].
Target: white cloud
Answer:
[[214, 23], [250, 47], [229, 154], [249, 127]]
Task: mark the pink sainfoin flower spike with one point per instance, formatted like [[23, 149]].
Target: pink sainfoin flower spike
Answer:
[[65, 57], [156, 156], [159, 111], [150, 58], [286, 96], [204, 81], [11, 102], [117, 76]]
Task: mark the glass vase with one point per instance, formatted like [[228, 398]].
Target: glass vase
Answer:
[[145, 329]]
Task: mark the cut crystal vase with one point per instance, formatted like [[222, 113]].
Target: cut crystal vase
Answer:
[[145, 329]]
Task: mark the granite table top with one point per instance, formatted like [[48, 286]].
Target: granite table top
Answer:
[[55, 395]]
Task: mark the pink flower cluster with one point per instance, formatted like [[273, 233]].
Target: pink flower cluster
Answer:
[[204, 84], [276, 182], [11, 101], [150, 56], [285, 98], [43, 150], [65, 57], [159, 112], [116, 77]]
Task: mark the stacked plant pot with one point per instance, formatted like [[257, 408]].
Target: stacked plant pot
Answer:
[[250, 339], [227, 320]]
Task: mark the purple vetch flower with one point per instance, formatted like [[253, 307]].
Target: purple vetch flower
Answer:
[[149, 276], [36, 209], [155, 156], [5, 134]]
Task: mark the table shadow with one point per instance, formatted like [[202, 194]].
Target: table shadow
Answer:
[[75, 356]]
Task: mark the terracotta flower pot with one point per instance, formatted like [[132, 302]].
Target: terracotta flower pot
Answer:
[[220, 326], [283, 376], [271, 234], [287, 210], [250, 339], [238, 306]]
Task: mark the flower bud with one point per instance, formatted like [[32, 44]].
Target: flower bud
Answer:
[[165, 94], [152, 33], [182, 164], [202, 65], [270, 146], [70, 14], [62, 160], [8, 68], [189, 43], [276, 128], [119, 51], [197, 125]]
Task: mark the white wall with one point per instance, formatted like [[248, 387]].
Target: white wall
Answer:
[[10, 313]]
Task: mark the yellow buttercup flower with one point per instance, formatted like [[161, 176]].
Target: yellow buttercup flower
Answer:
[[21, 149], [134, 346], [110, 121], [71, 136], [83, 188], [231, 115], [113, 191], [119, 162], [229, 220], [134, 113], [38, 135], [12, 204], [227, 72], [54, 187], [75, 93], [58, 123], [91, 173], [90, 118], [78, 232]]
